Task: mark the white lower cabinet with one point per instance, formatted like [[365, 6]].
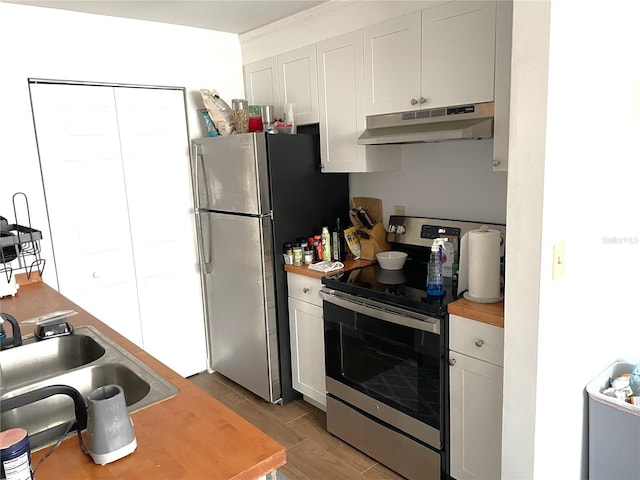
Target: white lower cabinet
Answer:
[[475, 375], [307, 338]]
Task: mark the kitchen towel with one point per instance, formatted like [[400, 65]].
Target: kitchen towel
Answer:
[[326, 266], [483, 265]]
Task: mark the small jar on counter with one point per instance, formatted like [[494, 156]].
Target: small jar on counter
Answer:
[[287, 253], [297, 255], [307, 255]]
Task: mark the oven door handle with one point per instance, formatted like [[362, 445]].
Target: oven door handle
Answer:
[[381, 311]]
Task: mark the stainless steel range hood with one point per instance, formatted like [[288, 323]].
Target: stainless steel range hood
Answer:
[[462, 122]]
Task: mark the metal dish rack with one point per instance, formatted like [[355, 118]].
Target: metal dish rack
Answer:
[[19, 244]]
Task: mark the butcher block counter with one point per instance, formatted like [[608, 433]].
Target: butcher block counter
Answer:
[[491, 313], [189, 436], [349, 264]]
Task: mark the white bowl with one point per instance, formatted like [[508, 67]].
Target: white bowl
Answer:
[[391, 260]]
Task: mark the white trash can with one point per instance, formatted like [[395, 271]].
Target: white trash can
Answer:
[[614, 430]]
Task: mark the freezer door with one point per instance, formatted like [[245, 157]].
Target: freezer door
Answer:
[[240, 298], [231, 174]]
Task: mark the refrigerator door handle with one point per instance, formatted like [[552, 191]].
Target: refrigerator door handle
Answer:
[[205, 242], [205, 230], [199, 167]]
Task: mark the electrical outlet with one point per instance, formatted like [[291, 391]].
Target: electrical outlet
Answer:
[[398, 210], [558, 260]]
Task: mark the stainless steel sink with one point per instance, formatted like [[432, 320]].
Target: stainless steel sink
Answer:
[[28, 363], [85, 360]]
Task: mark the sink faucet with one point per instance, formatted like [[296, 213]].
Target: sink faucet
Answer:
[[16, 339]]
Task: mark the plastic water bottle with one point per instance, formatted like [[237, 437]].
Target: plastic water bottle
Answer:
[[634, 380], [435, 287]]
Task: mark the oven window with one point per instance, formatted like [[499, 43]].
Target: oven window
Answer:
[[397, 365]]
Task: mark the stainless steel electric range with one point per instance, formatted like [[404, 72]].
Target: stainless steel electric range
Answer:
[[386, 351]]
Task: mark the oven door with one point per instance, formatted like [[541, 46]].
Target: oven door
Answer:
[[386, 362]]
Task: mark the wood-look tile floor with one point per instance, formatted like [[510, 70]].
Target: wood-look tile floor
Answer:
[[312, 452]]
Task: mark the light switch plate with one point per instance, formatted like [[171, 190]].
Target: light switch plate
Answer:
[[399, 210]]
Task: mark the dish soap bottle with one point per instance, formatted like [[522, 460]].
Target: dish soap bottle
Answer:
[[435, 287]]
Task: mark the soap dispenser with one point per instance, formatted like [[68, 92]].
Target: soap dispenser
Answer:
[[435, 283]]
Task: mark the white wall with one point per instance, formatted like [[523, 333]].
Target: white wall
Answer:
[[588, 318], [441, 180], [56, 44]]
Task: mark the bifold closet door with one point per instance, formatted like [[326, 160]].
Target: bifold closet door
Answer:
[[81, 162], [155, 152], [115, 164]]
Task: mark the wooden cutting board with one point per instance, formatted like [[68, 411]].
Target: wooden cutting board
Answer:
[[373, 207]]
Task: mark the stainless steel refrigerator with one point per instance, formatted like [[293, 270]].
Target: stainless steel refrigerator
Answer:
[[253, 193]]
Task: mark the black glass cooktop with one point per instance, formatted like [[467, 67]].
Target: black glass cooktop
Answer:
[[400, 288]]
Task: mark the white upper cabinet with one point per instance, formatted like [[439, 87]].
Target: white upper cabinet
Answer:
[[439, 57], [261, 84], [504, 22], [291, 77], [458, 52], [342, 120], [392, 65], [298, 81]]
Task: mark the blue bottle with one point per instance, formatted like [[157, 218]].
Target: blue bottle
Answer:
[[435, 287]]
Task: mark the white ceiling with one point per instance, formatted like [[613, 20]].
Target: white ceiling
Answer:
[[233, 16]]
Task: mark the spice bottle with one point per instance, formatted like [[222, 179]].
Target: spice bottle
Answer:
[[297, 255]]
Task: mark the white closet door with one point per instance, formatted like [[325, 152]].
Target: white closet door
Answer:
[[79, 148], [155, 150]]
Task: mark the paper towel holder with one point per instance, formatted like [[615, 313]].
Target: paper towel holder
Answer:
[[463, 269]]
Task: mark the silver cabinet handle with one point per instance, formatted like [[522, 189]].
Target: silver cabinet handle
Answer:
[[414, 101], [306, 290], [479, 342], [423, 100], [452, 361]]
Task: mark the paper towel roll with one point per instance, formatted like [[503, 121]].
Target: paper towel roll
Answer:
[[484, 266]]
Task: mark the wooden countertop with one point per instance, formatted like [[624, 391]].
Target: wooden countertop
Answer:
[[491, 313], [189, 436], [349, 264]]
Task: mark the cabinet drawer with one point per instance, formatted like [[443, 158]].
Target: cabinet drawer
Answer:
[[476, 339], [304, 288]]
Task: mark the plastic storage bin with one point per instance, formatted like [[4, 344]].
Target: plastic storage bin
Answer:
[[614, 430]]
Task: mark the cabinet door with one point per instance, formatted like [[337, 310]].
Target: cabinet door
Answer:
[[298, 81], [261, 84], [342, 119], [458, 52], [156, 169], [307, 349], [504, 23], [81, 163], [340, 88], [392, 65], [475, 417]]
